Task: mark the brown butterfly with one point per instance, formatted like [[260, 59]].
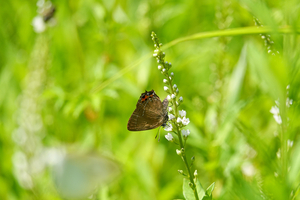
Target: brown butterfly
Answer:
[[149, 113]]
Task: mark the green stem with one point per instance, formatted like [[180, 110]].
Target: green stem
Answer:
[[183, 156]]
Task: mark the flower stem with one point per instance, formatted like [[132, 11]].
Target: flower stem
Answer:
[[164, 67]]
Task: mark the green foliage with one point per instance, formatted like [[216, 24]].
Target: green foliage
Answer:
[[70, 90]]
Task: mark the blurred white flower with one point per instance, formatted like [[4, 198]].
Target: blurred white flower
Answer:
[[169, 137], [166, 88], [275, 111], [182, 113], [171, 116], [185, 121], [170, 109], [185, 133], [168, 127], [38, 24], [277, 119], [289, 102], [165, 80], [173, 96], [169, 97], [159, 66], [248, 169], [181, 99], [174, 86]]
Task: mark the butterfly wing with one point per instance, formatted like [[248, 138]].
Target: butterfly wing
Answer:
[[148, 114]]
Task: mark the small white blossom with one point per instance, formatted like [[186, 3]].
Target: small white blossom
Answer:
[[181, 99], [169, 137], [165, 88], [168, 127], [38, 24], [290, 143], [170, 109], [182, 113], [289, 102], [185, 121], [173, 96], [163, 70], [170, 77], [178, 120], [178, 152], [185, 133], [169, 97], [248, 169], [171, 116], [174, 86], [159, 66], [177, 90], [278, 154], [165, 80], [172, 74], [278, 119], [154, 55], [274, 110], [196, 173]]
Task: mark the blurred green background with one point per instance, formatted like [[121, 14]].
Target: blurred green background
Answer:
[[71, 89]]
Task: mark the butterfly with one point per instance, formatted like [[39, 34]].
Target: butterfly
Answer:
[[150, 112]]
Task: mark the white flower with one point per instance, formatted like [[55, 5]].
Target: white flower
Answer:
[[165, 88], [277, 119], [274, 110], [289, 102], [170, 77], [173, 96], [168, 127], [174, 86], [178, 120], [178, 152], [168, 97], [181, 99], [278, 153], [159, 66], [290, 143], [177, 90], [248, 169], [163, 70], [196, 173], [171, 117], [169, 137], [182, 113], [170, 109], [185, 133], [165, 80], [38, 24], [185, 121], [172, 74]]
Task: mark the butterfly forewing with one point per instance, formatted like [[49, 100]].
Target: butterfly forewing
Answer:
[[149, 113]]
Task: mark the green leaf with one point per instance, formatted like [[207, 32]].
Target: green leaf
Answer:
[[210, 189], [188, 193]]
